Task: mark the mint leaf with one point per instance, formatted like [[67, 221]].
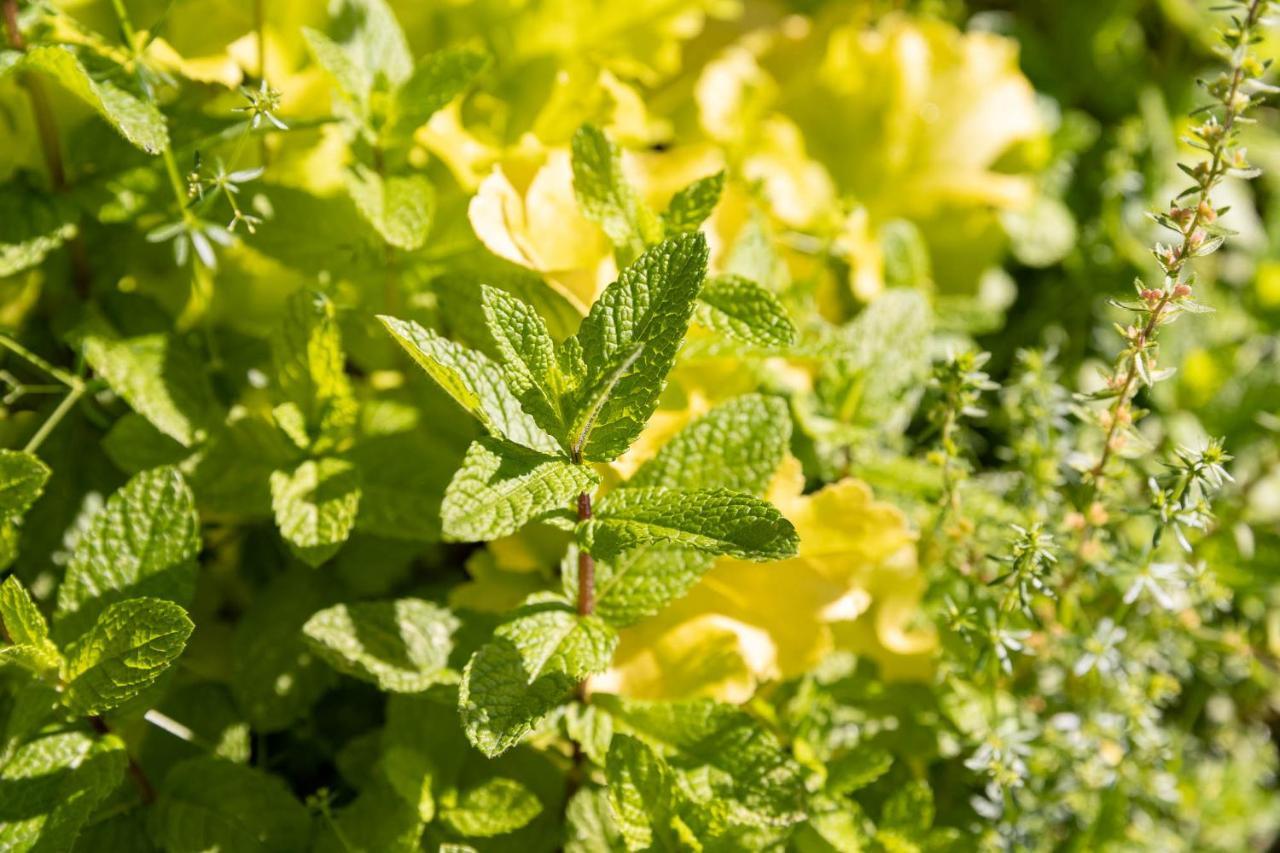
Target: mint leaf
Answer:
[[605, 195], [642, 791], [142, 543], [402, 646], [399, 207], [494, 807], [739, 445], [528, 358], [501, 488], [211, 804], [136, 120], [629, 341], [52, 786], [158, 374], [529, 668], [438, 78], [125, 652], [354, 81], [310, 368], [691, 206], [742, 310], [369, 32], [639, 583], [746, 777], [315, 505], [27, 630], [474, 381], [856, 769], [22, 479], [32, 224], [714, 521]]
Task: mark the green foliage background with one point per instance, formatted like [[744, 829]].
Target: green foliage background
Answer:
[[568, 424]]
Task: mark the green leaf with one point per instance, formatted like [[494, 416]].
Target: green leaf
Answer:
[[691, 206], [629, 341], [52, 785], [161, 377], [474, 381], [275, 674], [22, 479], [742, 310], [494, 807], [125, 652], [399, 207], [403, 646], [739, 445], [639, 583], [210, 804], [856, 769], [315, 505], [137, 121], [27, 629], [642, 792], [32, 224], [714, 521], [528, 358], [607, 197], [310, 368], [438, 78], [501, 488], [369, 32], [354, 81], [910, 809], [142, 543], [745, 775], [529, 668]]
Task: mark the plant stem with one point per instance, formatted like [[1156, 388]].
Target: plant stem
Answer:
[[73, 396], [586, 565], [1217, 170], [135, 772], [68, 379]]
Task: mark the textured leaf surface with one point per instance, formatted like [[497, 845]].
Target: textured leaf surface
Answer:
[[501, 487], [640, 583], [749, 777], [528, 358], [738, 446], [210, 804], [310, 366], [691, 206], [22, 479], [629, 341], [157, 374], [715, 521], [125, 652], [605, 195], [742, 310], [27, 628], [136, 120], [143, 542], [474, 381], [400, 207], [402, 646], [32, 224], [315, 506], [527, 670], [438, 78], [641, 791], [51, 786], [494, 807]]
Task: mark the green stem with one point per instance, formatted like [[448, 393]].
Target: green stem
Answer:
[[73, 396], [586, 565], [68, 379]]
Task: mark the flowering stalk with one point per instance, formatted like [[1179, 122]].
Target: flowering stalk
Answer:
[[1194, 222]]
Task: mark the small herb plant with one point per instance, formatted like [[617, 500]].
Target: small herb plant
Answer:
[[587, 426]]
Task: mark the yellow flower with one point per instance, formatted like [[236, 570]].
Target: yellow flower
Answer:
[[854, 585], [850, 127]]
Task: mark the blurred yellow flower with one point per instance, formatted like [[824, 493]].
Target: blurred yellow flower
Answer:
[[854, 585]]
